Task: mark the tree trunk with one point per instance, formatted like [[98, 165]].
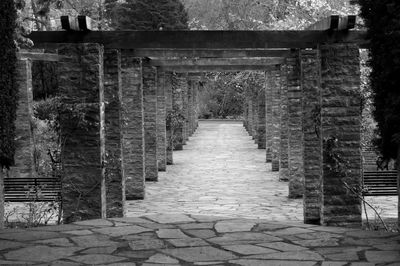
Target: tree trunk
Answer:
[[2, 175]]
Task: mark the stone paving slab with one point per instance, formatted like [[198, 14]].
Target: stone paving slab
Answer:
[[245, 242]]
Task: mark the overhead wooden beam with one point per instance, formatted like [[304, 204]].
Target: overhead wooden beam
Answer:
[[217, 62], [201, 39], [78, 23], [334, 22], [207, 53], [222, 68], [38, 56]]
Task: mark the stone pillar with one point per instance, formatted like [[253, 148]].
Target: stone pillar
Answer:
[[255, 116], [275, 119], [268, 115], [191, 84], [250, 116], [312, 141], [80, 74], [185, 110], [196, 105], [115, 182], [161, 123], [261, 119], [132, 127], [168, 105], [24, 144], [296, 168], [341, 121], [179, 83], [284, 127], [150, 121]]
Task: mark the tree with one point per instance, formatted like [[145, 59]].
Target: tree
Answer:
[[147, 15], [382, 19]]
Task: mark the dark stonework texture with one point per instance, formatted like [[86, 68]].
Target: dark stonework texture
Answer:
[[191, 84], [80, 74], [275, 81], [115, 182], [132, 121], [261, 119], [254, 127], [24, 144], [185, 111], [150, 121], [284, 127], [295, 130], [268, 116], [312, 141], [168, 106], [250, 116], [178, 85], [196, 105], [161, 123], [341, 119]]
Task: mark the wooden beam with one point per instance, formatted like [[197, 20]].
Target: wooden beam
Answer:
[[78, 23], [201, 39], [216, 62], [208, 53], [222, 68], [38, 56], [334, 22]]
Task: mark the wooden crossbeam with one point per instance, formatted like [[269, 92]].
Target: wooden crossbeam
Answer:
[[201, 39], [334, 22], [78, 23], [207, 53], [38, 56], [216, 68], [216, 62]]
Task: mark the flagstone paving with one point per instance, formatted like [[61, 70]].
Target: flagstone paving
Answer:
[[197, 240]]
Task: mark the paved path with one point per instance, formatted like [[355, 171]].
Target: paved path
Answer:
[[157, 240], [220, 172]]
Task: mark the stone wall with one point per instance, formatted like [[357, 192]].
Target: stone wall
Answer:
[[161, 123], [150, 121], [284, 126], [254, 118], [340, 120], [114, 181], [268, 116], [312, 140], [132, 121], [185, 110], [80, 74], [261, 120], [24, 144], [295, 132], [179, 84]]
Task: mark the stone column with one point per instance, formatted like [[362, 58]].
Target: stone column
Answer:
[[250, 116], [24, 144], [268, 115], [185, 100], [312, 141], [115, 182], [168, 105], [296, 168], [161, 123], [275, 119], [179, 83], [191, 84], [261, 119], [341, 125], [132, 127], [80, 74], [150, 121], [196, 105], [284, 127], [255, 116]]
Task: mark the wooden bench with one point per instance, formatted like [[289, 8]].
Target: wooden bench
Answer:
[[380, 183], [26, 189]]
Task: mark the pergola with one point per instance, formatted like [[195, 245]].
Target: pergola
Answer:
[[122, 81]]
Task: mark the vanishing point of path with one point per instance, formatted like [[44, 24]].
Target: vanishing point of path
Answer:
[[220, 172]]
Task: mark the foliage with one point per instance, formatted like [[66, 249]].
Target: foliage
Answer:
[[382, 18], [175, 122], [44, 79], [147, 15], [8, 88]]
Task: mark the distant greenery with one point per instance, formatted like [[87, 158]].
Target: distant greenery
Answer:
[[147, 15], [8, 88], [382, 18]]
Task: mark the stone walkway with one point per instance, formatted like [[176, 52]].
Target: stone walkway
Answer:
[[220, 172], [179, 239]]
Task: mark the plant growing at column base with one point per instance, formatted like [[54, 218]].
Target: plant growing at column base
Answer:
[[337, 164], [175, 122]]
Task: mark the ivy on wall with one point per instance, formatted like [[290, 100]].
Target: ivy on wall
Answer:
[[8, 90]]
